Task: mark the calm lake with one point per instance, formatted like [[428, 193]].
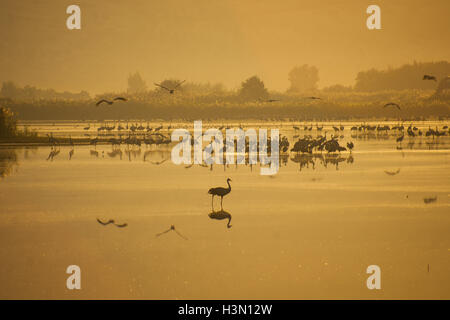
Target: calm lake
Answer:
[[308, 232]]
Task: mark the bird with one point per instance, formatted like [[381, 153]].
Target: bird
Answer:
[[313, 98], [392, 104], [221, 192], [121, 225], [172, 227], [350, 146], [171, 91], [105, 223], [430, 200], [111, 102], [113, 222], [220, 215], [428, 77], [392, 173], [71, 152], [159, 162], [104, 101]]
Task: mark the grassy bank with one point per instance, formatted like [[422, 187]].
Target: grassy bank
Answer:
[[415, 105]]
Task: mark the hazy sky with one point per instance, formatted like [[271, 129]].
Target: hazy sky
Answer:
[[212, 40]]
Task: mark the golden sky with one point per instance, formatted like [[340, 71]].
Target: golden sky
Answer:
[[212, 40]]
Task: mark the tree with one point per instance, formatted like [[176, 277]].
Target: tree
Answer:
[[303, 79], [136, 84], [7, 123], [9, 90], [252, 89]]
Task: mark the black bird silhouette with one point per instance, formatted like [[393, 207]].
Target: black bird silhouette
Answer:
[[172, 227], [111, 102], [430, 200], [104, 101], [105, 223], [392, 104], [171, 91], [113, 222], [428, 77], [221, 192], [121, 225]]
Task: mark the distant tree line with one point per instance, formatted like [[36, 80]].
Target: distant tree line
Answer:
[[408, 76], [10, 90]]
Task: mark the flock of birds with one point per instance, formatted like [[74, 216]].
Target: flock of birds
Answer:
[[110, 102], [305, 145]]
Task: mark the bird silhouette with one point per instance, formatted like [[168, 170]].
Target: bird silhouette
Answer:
[[111, 102], [221, 192], [111, 221], [430, 200], [428, 77], [172, 227], [105, 223], [220, 215], [350, 146], [171, 91], [392, 104], [71, 152], [392, 173], [313, 98], [104, 101]]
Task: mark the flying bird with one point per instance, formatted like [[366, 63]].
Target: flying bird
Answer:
[[392, 104], [392, 173], [111, 102], [105, 223], [171, 91], [113, 222], [104, 101], [172, 227], [428, 77]]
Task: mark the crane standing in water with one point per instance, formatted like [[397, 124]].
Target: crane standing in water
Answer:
[[221, 192]]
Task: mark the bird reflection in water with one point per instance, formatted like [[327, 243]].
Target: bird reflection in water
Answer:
[[221, 215], [172, 228], [8, 160]]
